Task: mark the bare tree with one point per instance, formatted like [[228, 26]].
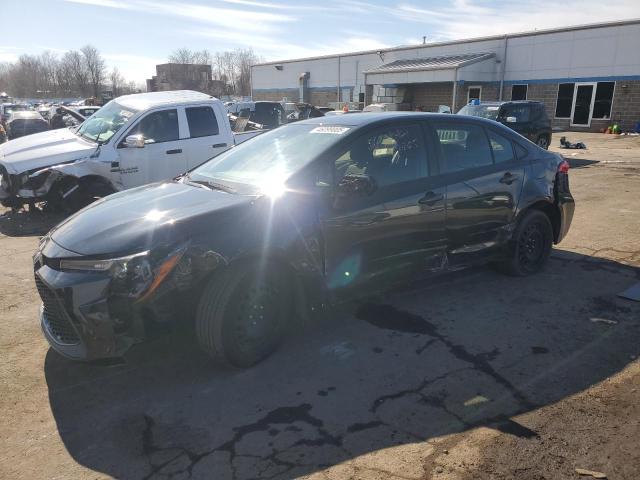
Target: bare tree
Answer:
[[185, 56], [76, 72], [95, 67], [117, 82]]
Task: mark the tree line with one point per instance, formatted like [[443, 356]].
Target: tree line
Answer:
[[76, 73], [232, 69]]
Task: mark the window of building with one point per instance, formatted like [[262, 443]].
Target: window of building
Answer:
[[565, 100], [464, 146], [474, 93], [501, 147], [159, 126], [604, 99], [519, 92], [202, 122], [389, 156]]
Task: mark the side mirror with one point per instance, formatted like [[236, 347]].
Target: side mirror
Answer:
[[511, 119], [356, 186], [134, 141]]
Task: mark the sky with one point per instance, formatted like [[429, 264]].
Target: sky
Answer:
[[135, 35]]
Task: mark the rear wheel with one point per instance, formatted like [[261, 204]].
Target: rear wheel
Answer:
[[530, 246], [243, 315], [543, 142]]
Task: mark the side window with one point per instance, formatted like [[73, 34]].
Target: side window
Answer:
[[158, 127], [463, 146], [389, 156], [501, 147], [202, 122]]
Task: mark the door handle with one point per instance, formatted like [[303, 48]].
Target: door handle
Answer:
[[431, 198], [171, 152], [218, 145], [508, 178]]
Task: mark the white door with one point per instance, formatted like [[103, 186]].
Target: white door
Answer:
[[205, 138], [162, 156], [582, 107]]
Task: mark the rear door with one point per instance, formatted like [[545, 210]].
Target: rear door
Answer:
[[484, 180], [395, 230], [163, 155], [206, 138]]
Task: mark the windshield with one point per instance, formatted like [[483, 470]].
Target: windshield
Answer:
[[269, 159], [105, 122], [482, 111]]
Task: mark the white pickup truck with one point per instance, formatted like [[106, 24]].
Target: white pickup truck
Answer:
[[131, 141]]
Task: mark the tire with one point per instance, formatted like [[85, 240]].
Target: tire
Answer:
[[530, 247], [226, 327], [543, 142]]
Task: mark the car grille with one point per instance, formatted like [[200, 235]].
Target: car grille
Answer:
[[55, 319]]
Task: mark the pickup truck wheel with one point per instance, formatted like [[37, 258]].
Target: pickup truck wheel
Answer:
[[543, 142], [243, 315], [530, 246]]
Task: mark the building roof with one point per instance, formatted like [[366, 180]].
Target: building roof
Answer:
[[443, 62], [144, 101], [457, 42]]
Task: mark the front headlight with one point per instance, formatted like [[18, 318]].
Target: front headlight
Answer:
[[134, 275]]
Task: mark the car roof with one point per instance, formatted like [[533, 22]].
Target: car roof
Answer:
[[26, 115], [144, 101], [507, 101], [368, 118]]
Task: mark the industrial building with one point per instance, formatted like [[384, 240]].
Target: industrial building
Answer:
[[587, 76], [185, 76]]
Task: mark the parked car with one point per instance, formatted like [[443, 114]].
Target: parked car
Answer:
[[86, 110], [7, 108], [131, 141], [22, 123], [313, 212], [526, 117]]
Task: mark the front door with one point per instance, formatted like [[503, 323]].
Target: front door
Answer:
[[162, 156], [396, 228], [484, 179], [582, 109]]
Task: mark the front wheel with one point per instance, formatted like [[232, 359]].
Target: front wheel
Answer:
[[243, 315], [530, 247]]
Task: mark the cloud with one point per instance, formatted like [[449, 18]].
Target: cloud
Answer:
[[9, 53]]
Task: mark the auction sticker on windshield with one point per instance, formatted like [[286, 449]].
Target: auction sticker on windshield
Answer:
[[330, 129]]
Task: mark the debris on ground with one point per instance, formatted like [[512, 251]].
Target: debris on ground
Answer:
[[564, 143], [590, 473], [631, 293]]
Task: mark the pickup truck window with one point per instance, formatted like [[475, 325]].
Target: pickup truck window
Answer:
[[158, 127], [202, 122]]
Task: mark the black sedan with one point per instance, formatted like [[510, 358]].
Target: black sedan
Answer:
[[308, 214]]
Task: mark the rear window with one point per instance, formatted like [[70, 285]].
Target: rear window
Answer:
[[482, 111], [522, 113], [463, 146], [202, 122]]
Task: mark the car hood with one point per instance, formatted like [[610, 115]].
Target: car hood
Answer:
[[140, 219], [43, 150]]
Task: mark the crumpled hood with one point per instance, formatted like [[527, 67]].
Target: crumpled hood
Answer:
[[144, 217], [44, 149]]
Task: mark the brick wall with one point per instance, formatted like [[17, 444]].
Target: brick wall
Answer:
[[490, 92], [625, 110], [292, 95], [321, 98], [430, 95]]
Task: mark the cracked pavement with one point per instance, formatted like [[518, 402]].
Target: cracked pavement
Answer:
[[471, 375]]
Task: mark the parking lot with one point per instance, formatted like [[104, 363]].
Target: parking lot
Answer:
[[474, 375]]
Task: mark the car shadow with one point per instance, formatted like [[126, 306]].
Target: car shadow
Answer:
[[25, 223], [442, 356], [580, 162]]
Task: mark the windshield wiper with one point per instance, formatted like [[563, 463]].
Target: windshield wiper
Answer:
[[211, 185]]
